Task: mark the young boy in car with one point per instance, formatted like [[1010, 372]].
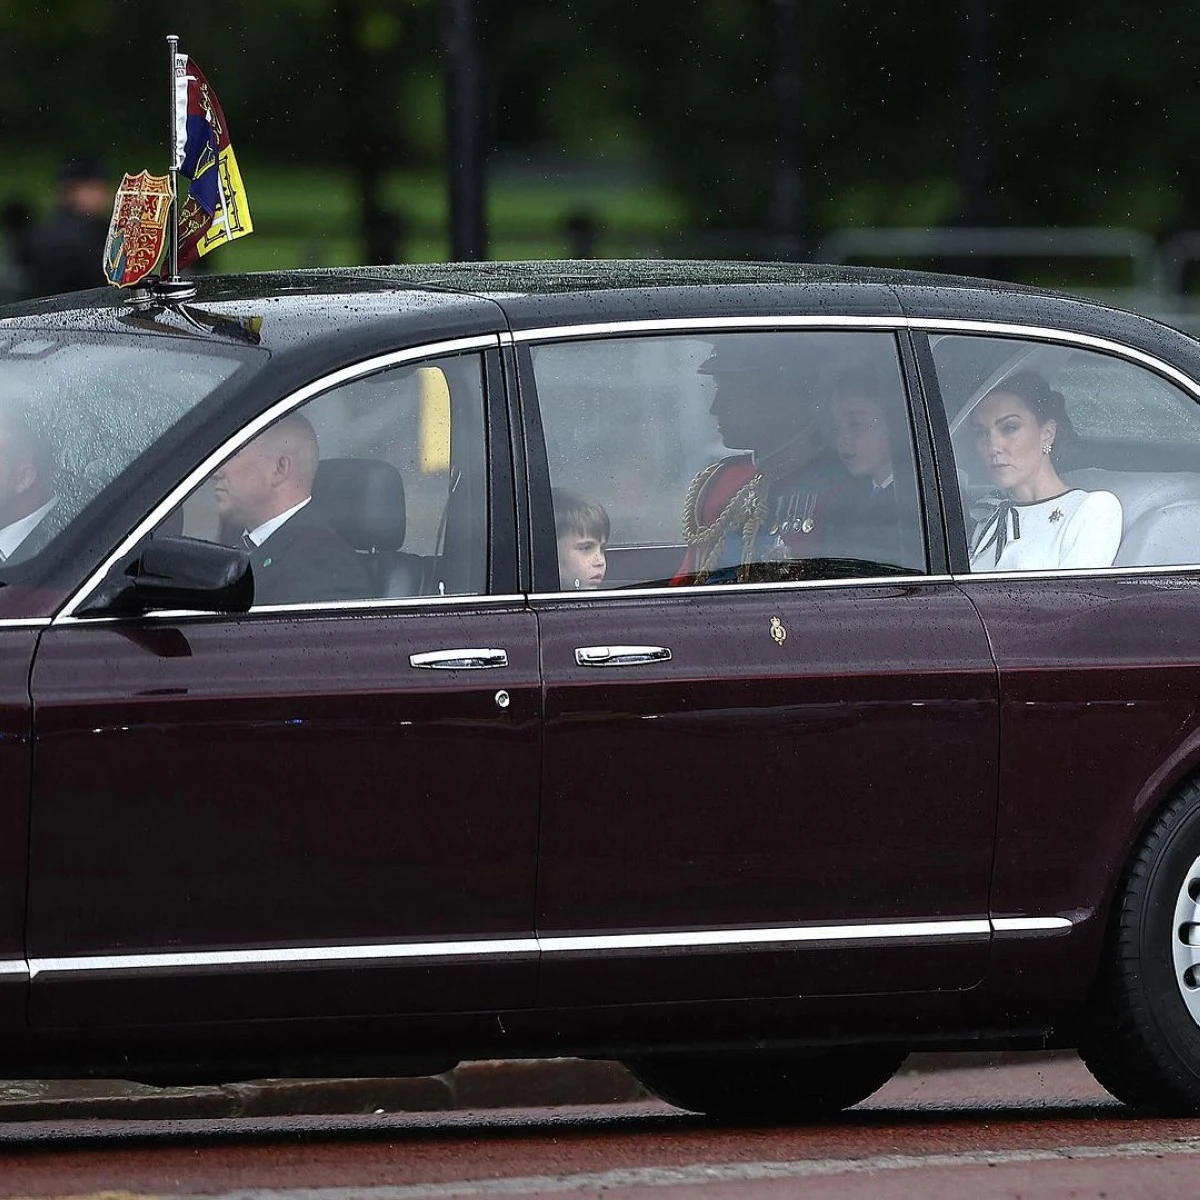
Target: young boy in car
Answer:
[[582, 528]]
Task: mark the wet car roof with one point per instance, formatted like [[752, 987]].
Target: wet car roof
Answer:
[[362, 305]]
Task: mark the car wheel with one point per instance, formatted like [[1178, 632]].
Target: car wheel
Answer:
[[1141, 1039], [766, 1086]]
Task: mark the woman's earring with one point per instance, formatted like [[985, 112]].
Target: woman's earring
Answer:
[[1046, 447]]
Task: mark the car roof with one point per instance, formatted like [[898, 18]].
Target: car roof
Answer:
[[362, 308]]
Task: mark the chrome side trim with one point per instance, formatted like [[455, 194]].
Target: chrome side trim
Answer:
[[25, 623], [1078, 572], [1030, 924], [764, 937], [333, 608], [719, 589], [88, 964], [556, 945], [369, 366], [711, 324]]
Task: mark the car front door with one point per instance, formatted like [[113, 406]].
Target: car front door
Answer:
[[770, 731], [313, 808]]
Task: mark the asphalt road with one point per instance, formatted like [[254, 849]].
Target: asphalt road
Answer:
[[1025, 1129]]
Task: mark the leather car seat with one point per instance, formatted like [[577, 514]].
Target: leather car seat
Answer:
[[1161, 513], [364, 500]]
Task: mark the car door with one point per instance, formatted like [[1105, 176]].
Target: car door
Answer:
[[315, 807], [1097, 657], [769, 744]]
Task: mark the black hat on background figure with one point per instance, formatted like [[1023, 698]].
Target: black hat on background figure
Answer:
[[66, 249]]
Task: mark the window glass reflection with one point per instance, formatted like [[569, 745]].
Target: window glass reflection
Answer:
[[374, 489], [730, 458], [1068, 458]]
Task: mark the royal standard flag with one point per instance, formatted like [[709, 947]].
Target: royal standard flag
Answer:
[[215, 209]]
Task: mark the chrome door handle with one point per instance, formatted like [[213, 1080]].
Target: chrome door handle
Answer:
[[620, 656], [459, 660]]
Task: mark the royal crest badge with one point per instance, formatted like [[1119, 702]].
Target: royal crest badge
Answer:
[[138, 230]]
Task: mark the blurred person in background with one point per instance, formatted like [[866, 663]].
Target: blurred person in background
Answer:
[[16, 220], [66, 249]]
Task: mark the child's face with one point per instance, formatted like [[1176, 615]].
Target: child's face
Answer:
[[581, 561], [860, 435]]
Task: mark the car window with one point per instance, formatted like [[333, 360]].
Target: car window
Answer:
[[77, 411], [1069, 458], [731, 457], [389, 475]]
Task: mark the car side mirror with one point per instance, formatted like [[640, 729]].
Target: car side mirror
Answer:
[[177, 572]]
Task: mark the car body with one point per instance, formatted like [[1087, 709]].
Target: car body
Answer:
[[771, 822]]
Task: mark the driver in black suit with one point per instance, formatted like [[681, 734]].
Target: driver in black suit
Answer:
[[295, 553]]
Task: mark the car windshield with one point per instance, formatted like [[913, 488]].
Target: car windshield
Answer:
[[76, 410]]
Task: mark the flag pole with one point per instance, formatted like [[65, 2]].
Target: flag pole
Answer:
[[169, 284], [173, 174]]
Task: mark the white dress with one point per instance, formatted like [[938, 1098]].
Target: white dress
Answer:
[[1074, 529]]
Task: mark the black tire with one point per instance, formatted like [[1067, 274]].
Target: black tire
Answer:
[[1141, 1038], [769, 1086]]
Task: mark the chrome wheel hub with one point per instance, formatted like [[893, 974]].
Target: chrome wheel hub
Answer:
[[1185, 940]]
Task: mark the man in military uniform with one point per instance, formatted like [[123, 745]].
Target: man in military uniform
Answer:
[[758, 514]]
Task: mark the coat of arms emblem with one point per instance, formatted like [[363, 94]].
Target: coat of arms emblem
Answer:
[[138, 231]]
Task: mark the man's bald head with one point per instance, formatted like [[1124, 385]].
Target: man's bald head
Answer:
[[269, 475], [26, 467]]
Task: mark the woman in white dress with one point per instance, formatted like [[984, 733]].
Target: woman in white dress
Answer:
[[1035, 522]]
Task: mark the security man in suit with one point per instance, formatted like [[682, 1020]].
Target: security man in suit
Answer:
[[758, 514], [295, 553], [27, 495]]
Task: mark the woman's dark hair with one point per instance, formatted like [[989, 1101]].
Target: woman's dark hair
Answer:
[[1043, 401], [574, 514]]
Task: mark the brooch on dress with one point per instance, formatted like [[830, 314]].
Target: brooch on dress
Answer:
[[1056, 515]]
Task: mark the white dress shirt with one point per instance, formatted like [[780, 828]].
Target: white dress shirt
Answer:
[[11, 536], [260, 533]]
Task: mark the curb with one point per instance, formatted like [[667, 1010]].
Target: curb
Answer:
[[504, 1083], [501, 1083]]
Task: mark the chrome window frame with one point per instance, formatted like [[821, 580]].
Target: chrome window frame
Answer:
[[606, 329], [1085, 341], [370, 366], [896, 324]]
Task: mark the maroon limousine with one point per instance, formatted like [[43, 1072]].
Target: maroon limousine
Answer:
[[752, 673]]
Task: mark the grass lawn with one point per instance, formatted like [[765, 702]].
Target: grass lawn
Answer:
[[308, 217]]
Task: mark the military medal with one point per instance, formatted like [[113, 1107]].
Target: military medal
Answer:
[[805, 523]]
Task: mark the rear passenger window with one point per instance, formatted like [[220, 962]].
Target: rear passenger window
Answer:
[[389, 473], [747, 457], [1069, 458]]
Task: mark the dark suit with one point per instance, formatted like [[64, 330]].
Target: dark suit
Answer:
[[305, 560], [864, 523]]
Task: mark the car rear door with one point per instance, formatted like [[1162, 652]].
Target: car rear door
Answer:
[[761, 782], [1097, 659], [310, 809]]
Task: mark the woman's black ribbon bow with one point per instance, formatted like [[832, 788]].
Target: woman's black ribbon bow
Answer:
[[999, 522]]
